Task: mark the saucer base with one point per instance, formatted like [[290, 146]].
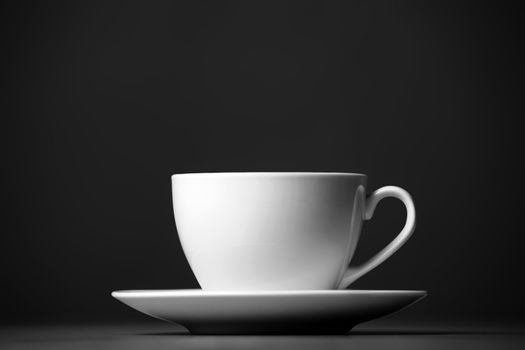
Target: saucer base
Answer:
[[276, 312], [271, 328]]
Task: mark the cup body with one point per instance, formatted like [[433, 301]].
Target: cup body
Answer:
[[268, 231]]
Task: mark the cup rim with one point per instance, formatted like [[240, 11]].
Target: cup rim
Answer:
[[269, 174]]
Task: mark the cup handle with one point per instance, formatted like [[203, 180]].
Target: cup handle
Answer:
[[353, 273]]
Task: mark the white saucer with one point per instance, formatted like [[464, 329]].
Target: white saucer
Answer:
[[268, 312]]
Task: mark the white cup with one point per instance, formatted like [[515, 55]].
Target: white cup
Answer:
[[278, 231]]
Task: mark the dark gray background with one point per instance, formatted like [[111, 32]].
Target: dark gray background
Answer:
[[105, 100]]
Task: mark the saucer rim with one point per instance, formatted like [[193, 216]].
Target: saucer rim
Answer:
[[169, 293]]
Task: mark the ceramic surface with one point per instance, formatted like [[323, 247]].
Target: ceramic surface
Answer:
[[277, 312], [278, 231]]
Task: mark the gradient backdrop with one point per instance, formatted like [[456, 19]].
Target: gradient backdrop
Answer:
[[105, 100]]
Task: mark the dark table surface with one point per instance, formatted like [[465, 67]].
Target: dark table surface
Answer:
[[158, 335]]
